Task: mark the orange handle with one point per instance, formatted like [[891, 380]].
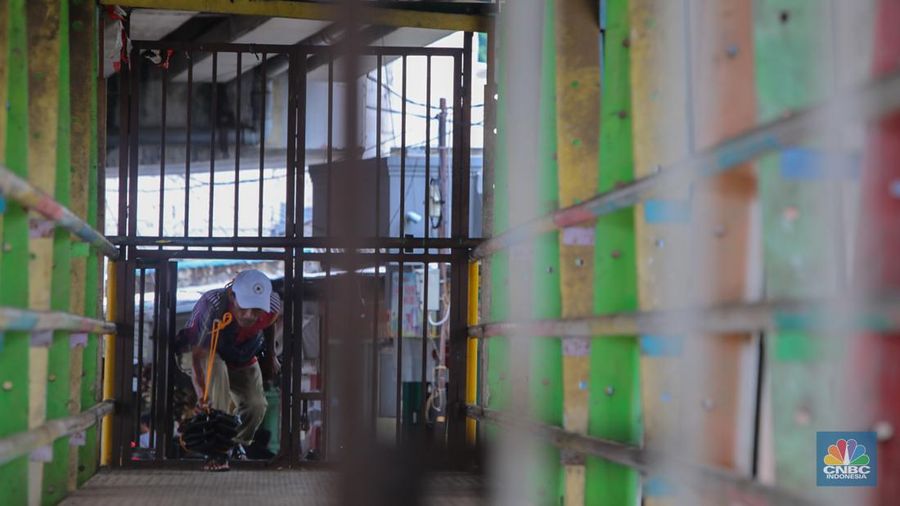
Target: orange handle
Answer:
[[218, 325]]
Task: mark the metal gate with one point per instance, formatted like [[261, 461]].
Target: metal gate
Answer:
[[173, 160]]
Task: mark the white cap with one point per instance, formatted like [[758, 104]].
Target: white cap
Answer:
[[253, 290]]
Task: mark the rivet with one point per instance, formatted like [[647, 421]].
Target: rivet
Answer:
[[550, 270], [657, 169], [883, 430], [609, 390], [719, 231], [582, 385], [732, 51], [784, 16], [545, 381], [52, 377], [579, 262], [790, 213], [802, 416], [895, 188], [7, 247], [659, 242], [496, 96], [622, 114], [495, 131], [626, 42], [51, 489], [616, 253], [708, 403], [7, 385]]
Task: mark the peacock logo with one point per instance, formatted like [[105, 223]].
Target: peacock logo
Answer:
[[846, 452], [847, 459]]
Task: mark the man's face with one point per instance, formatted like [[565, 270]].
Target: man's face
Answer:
[[243, 317]]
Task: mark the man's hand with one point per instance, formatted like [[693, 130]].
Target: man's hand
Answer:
[[201, 406], [270, 367], [198, 356]]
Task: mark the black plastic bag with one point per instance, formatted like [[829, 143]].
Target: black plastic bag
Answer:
[[210, 433]]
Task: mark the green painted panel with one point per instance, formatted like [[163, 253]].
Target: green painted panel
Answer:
[[58, 365], [614, 410], [497, 348], [546, 374], [788, 46], [89, 454], [14, 261]]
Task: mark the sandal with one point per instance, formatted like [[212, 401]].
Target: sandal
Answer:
[[238, 453], [216, 464]]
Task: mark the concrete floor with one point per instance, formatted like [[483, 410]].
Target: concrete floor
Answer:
[[248, 488]]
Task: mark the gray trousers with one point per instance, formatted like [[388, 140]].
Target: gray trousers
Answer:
[[242, 385]]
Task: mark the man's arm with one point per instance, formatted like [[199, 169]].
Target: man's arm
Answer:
[[196, 335], [270, 365]]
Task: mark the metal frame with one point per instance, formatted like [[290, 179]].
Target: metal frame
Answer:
[[158, 252], [445, 15]]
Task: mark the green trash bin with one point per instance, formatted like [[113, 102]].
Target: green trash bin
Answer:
[[272, 420]]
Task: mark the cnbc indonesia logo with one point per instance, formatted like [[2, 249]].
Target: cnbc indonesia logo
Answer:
[[846, 460]]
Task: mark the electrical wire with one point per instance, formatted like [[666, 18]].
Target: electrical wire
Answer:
[[443, 320]]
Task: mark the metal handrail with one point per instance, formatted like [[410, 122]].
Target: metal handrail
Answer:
[[868, 102], [15, 319], [19, 190], [640, 459], [796, 315], [24, 443]]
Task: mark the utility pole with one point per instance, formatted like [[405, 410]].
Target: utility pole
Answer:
[[444, 231]]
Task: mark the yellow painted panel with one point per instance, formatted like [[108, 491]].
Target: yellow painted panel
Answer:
[[575, 480], [659, 98], [577, 139], [43, 116], [576, 376]]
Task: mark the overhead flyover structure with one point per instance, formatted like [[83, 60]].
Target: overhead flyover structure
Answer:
[[457, 16]]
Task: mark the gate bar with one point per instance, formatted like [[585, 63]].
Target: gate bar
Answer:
[[212, 142]]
